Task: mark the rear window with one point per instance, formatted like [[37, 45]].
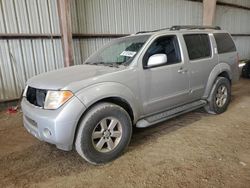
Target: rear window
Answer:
[[224, 43], [198, 46]]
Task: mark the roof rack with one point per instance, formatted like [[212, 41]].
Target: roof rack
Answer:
[[152, 30], [179, 27]]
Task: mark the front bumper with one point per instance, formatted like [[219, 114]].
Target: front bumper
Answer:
[[53, 126]]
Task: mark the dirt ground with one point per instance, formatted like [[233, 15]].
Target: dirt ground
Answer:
[[193, 150]]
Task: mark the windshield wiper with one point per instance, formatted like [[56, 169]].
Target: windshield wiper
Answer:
[[88, 63], [110, 64]]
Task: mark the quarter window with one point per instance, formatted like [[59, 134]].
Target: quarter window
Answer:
[[224, 43], [198, 46]]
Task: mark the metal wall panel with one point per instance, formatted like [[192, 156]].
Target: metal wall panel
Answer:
[[29, 16], [236, 21], [9, 84], [22, 59], [243, 47], [237, 2], [129, 16]]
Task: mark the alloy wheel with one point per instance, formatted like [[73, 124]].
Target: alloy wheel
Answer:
[[107, 134], [221, 96]]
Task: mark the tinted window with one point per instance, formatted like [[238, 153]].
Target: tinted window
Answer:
[[198, 46], [224, 43], [164, 45]]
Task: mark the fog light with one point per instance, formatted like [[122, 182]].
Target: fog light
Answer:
[[46, 133]]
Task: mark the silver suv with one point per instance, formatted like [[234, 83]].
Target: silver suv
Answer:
[[139, 80]]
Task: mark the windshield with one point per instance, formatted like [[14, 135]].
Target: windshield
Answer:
[[119, 51]]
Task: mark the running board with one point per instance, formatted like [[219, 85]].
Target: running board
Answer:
[[151, 120]]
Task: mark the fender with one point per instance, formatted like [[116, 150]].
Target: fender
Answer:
[[94, 93], [219, 68]]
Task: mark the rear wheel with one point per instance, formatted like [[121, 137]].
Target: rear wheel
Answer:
[[103, 133], [220, 96]]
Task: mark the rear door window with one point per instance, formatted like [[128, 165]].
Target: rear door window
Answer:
[[198, 46], [224, 43]]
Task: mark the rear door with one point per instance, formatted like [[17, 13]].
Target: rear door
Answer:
[[201, 60]]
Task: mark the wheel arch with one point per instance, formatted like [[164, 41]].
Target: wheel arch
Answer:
[[115, 100], [108, 92], [225, 74], [220, 70], [118, 101]]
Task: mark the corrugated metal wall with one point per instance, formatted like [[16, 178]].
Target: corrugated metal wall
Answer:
[[22, 59], [236, 21], [237, 2], [27, 57], [127, 16]]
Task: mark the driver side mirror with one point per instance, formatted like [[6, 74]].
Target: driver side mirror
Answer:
[[157, 60]]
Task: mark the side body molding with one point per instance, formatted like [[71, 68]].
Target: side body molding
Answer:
[[94, 93], [219, 68]]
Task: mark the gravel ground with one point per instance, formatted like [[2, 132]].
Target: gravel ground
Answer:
[[193, 150]]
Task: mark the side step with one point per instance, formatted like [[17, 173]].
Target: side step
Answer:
[[148, 121]]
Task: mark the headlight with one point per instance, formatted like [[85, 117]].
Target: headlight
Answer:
[[55, 99]]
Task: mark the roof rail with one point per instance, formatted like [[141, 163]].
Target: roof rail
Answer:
[[179, 27], [152, 31]]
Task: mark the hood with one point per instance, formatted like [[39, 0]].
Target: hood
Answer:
[[58, 79]]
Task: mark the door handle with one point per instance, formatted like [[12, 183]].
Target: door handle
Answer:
[[181, 70]]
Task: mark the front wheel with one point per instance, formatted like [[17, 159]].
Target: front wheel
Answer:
[[103, 133], [220, 96]]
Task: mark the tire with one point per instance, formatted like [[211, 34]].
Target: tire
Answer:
[[219, 100], [103, 133]]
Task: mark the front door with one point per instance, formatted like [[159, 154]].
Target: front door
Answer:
[[165, 86]]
